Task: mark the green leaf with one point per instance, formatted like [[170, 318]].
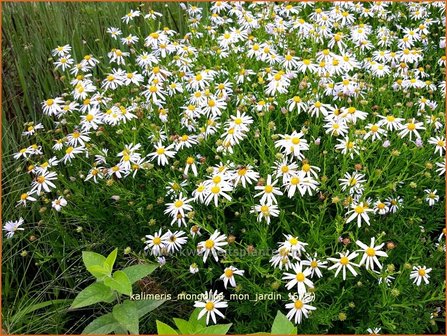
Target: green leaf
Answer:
[[99, 271], [218, 329], [110, 261], [183, 326], [127, 316], [146, 306], [194, 322], [282, 325], [164, 329], [104, 324], [92, 259], [119, 282], [96, 292], [137, 272]]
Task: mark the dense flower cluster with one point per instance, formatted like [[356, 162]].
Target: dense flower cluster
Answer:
[[206, 123]]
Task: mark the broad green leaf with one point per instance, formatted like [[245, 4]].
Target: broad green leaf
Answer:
[[164, 329], [110, 261], [99, 271], [137, 272], [104, 324], [282, 325], [194, 322], [146, 306], [96, 292], [218, 329], [92, 259], [127, 316], [183, 326], [119, 282]]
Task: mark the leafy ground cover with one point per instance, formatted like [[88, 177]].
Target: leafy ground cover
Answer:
[[275, 160]]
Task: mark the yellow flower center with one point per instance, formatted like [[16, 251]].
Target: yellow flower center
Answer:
[[296, 140], [370, 252], [242, 171], [359, 209], [421, 272], [298, 304], [215, 189], [344, 260], [228, 273], [157, 241], [209, 244], [160, 151], [294, 180], [293, 241], [178, 203], [300, 277], [265, 209], [268, 189], [209, 306]]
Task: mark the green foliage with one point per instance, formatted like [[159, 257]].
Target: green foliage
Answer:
[[37, 286], [193, 326], [109, 287], [282, 325]]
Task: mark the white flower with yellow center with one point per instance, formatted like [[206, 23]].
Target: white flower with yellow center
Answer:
[[420, 273], [314, 265], [431, 196], [299, 278], [360, 212], [212, 245], [371, 253], [344, 263], [162, 153], [174, 240], [211, 304], [228, 276], [268, 191], [155, 243], [282, 258], [177, 209], [266, 211], [300, 307]]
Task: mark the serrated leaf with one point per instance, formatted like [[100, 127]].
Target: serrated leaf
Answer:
[[164, 329], [137, 272], [127, 316], [183, 326], [146, 306], [104, 324], [110, 260], [92, 259], [218, 329], [96, 292], [282, 325], [119, 282]]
